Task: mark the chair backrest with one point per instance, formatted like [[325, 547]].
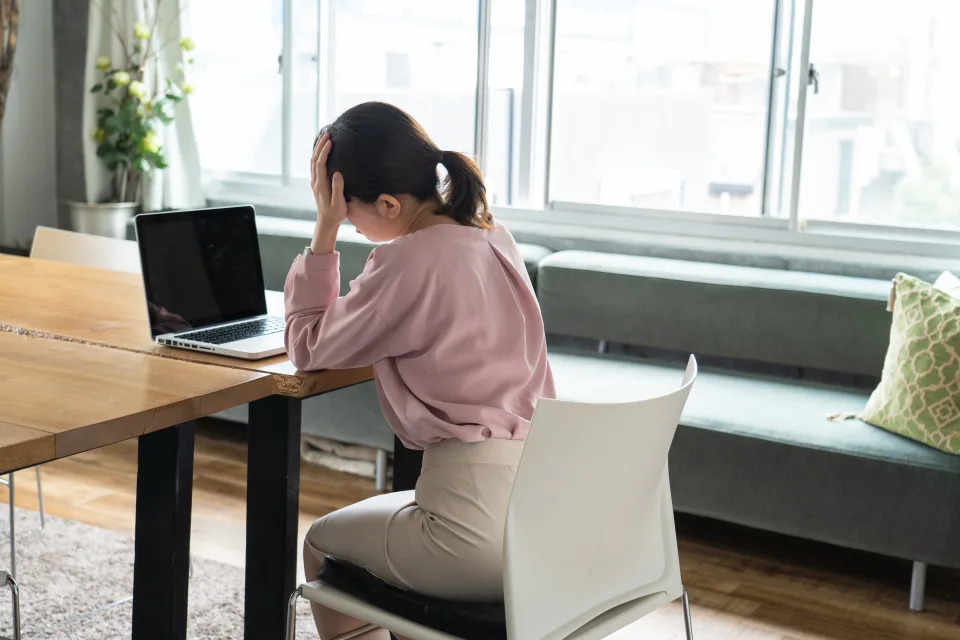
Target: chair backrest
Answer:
[[590, 522], [58, 245]]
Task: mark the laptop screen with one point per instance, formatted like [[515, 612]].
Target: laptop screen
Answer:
[[200, 267]]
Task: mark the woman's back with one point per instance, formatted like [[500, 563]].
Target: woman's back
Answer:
[[461, 350], [476, 362]]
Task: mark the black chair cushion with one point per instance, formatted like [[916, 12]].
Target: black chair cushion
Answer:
[[467, 620]]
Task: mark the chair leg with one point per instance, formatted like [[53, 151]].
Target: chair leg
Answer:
[[918, 586], [291, 631], [15, 594], [13, 528], [687, 619], [43, 519], [381, 471]]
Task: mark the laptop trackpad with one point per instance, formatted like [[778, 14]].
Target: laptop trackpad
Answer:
[[259, 346]]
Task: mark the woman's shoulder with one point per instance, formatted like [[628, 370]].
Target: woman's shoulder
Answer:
[[442, 238]]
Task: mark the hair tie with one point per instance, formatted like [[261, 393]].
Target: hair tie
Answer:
[[440, 156]]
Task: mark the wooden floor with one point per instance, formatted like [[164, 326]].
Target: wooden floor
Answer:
[[743, 584]]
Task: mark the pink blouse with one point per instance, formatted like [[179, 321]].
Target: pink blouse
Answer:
[[448, 319]]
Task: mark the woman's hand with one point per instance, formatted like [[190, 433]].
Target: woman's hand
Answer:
[[331, 205]]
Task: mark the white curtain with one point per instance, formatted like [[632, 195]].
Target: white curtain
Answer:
[[179, 186]]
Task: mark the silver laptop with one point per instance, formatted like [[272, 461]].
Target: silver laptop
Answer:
[[204, 282]]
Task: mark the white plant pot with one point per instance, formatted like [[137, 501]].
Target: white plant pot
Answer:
[[106, 219]]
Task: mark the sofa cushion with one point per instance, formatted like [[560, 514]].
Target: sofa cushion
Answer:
[[760, 452], [919, 395], [825, 322]]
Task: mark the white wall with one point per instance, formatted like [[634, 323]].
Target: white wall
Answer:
[[28, 184]]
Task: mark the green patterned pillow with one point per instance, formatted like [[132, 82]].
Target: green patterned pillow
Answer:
[[919, 393]]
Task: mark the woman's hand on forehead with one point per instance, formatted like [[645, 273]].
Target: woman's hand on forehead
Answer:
[[328, 193]]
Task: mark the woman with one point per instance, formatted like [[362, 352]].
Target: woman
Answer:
[[446, 314]]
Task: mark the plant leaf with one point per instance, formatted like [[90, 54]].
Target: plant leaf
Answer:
[[111, 124], [165, 112], [140, 164]]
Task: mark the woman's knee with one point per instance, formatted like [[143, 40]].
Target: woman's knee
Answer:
[[313, 554]]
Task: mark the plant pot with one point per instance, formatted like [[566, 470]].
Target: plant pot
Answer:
[[102, 219]]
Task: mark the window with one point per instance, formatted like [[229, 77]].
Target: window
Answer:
[[239, 98], [420, 55], [502, 149], [882, 135], [661, 104], [644, 111]]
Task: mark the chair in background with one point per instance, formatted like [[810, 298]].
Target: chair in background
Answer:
[[73, 248], [583, 555], [58, 245]]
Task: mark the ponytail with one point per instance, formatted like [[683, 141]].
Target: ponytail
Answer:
[[462, 192]]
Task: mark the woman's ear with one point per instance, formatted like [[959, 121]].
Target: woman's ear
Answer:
[[388, 207]]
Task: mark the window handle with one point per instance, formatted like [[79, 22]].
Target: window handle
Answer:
[[813, 78]]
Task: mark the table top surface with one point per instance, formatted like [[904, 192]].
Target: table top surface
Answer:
[[98, 307], [58, 397]]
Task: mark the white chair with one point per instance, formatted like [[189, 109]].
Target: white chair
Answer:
[[58, 245], [72, 248], [590, 544]]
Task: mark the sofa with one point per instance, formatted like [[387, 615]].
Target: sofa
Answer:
[[780, 351]]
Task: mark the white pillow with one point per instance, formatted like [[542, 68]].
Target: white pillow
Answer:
[[949, 284]]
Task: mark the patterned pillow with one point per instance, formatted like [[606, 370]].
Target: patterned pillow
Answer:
[[919, 393]]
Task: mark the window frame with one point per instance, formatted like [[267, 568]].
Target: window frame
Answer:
[[291, 197]]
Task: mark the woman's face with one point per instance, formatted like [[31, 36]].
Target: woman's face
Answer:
[[372, 220]]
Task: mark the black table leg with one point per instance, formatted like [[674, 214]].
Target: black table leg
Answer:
[[273, 493], [406, 466], [161, 564]]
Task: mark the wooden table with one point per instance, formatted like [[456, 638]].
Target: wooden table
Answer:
[[107, 309], [58, 398]]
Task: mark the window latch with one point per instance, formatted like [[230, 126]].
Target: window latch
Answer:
[[813, 78]]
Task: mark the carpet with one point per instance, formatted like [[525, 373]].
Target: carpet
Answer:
[[76, 583]]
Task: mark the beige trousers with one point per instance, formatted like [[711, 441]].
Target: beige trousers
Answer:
[[445, 539]]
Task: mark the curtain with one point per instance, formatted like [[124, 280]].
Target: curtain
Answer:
[[179, 185]]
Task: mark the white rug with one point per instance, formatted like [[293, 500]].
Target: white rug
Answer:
[[76, 583]]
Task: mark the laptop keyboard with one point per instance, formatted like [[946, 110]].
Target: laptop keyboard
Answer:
[[234, 332]]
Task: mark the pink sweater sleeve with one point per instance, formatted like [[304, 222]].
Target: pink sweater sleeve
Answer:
[[325, 331]]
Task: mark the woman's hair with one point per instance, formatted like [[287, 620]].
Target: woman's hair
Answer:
[[381, 149]]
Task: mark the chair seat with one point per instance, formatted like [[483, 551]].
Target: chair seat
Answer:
[[468, 620]]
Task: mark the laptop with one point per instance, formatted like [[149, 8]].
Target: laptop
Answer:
[[204, 282]]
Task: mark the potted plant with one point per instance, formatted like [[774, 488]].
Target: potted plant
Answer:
[[129, 117]]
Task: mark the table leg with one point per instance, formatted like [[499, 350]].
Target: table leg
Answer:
[[406, 466], [162, 547], [273, 493]]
